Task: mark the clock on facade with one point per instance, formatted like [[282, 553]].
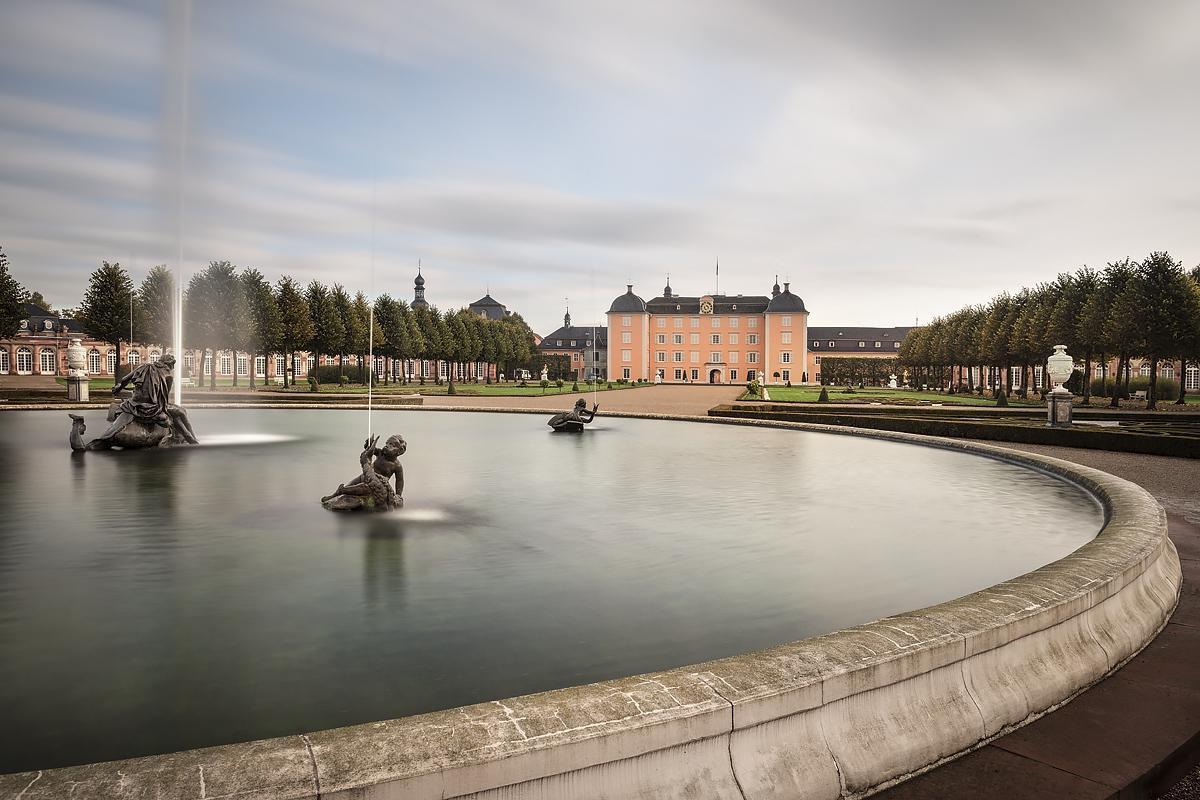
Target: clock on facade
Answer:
[[706, 306]]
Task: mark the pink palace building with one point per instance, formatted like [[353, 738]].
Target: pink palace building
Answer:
[[714, 338]]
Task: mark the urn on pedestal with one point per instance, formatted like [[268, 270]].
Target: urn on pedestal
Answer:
[[77, 377], [1058, 402]]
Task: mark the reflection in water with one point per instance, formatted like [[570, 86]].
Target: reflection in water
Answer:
[[166, 599]]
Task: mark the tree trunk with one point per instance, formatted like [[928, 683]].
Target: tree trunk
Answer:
[[116, 368], [212, 373], [291, 360], [1152, 394], [1087, 378], [1182, 382], [235, 375], [254, 366]]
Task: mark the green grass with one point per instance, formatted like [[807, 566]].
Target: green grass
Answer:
[[809, 394]]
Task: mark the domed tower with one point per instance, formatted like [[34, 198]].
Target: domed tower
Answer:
[[628, 337], [787, 338], [419, 291], [667, 288]]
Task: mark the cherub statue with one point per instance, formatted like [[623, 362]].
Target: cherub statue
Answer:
[[372, 490], [573, 421]]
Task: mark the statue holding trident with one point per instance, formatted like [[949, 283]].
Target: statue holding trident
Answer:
[[145, 419]]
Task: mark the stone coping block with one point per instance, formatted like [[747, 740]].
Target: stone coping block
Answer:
[[839, 715]]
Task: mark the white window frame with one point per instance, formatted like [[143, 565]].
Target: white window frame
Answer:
[[626, 356], [626, 322], [110, 362], [24, 360], [785, 321], [660, 356], [133, 358], [47, 356], [93, 361], [786, 357], [752, 357], [785, 375], [732, 375]]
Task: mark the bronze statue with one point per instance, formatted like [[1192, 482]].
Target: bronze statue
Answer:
[[145, 419], [573, 421], [372, 490]]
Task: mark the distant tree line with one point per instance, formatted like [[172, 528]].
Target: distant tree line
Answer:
[[1147, 309], [232, 309], [850, 370]]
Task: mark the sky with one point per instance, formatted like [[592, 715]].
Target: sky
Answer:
[[892, 160]]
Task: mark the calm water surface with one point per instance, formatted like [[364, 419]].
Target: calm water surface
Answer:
[[154, 601]]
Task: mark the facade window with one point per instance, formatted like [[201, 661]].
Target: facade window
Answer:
[[751, 338], [1037, 376], [24, 361], [574, 343], [93, 362], [154, 356], [785, 337], [660, 356], [226, 364], [734, 356], [733, 375], [678, 322], [4, 361], [786, 322], [1167, 371], [716, 338], [786, 375], [1145, 369], [46, 361], [751, 374], [695, 374], [716, 322], [817, 360], [785, 357], [695, 322], [878, 345], [714, 357], [312, 360], [1015, 376], [280, 365], [862, 344], [260, 366], [1101, 369], [625, 373], [208, 363], [626, 322], [189, 362], [111, 362], [677, 356], [695, 357], [678, 374], [752, 322], [135, 358], [733, 338], [627, 355], [677, 338], [695, 338], [733, 322], [1192, 377], [752, 357], [243, 365]]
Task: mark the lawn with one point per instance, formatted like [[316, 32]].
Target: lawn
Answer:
[[809, 394]]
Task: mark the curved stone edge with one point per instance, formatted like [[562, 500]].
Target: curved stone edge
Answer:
[[840, 715]]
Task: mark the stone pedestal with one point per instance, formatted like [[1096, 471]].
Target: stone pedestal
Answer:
[[1058, 409], [77, 389]]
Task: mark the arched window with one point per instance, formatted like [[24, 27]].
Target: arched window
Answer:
[[47, 364], [1192, 381], [280, 365], [134, 358], [1145, 369], [1167, 371], [111, 360], [93, 361], [24, 361], [4, 367], [189, 362], [243, 365], [155, 356], [226, 363], [260, 366], [207, 363]]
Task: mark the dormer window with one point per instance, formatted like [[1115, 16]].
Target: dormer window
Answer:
[[558, 342], [573, 341], [896, 345], [862, 344], [49, 325], [816, 344], [878, 344], [831, 344], [24, 324]]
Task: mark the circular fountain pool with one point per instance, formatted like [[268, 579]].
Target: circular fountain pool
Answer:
[[161, 600]]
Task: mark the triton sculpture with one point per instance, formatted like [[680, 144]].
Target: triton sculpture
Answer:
[[146, 419], [372, 490], [573, 421]]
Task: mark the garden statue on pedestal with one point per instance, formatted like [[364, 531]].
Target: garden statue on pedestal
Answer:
[[77, 377], [146, 419], [545, 373], [372, 490], [573, 421], [892, 382]]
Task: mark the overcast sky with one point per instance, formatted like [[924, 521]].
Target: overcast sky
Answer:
[[892, 159]]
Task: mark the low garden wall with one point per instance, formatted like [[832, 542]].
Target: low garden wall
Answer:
[[840, 715]]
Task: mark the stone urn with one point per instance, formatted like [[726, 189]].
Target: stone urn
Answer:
[[1060, 366], [77, 359]]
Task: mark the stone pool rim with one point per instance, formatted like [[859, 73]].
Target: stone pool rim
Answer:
[[843, 714]]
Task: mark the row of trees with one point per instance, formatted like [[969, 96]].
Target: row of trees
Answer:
[[226, 308], [1147, 309]]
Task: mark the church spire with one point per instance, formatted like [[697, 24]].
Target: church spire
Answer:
[[419, 289], [667, 288], [775, 288], [567, 318]]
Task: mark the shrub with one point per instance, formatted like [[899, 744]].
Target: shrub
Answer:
[[523, 384], [450, 388], [314, 385], [422, 380], [343, 380], [331, 373], [754, 388], [1167, 389], [788, 384], [544, 383], [824, 398], [558, 384], [575, 386], [610, 384], [1001, 398]]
